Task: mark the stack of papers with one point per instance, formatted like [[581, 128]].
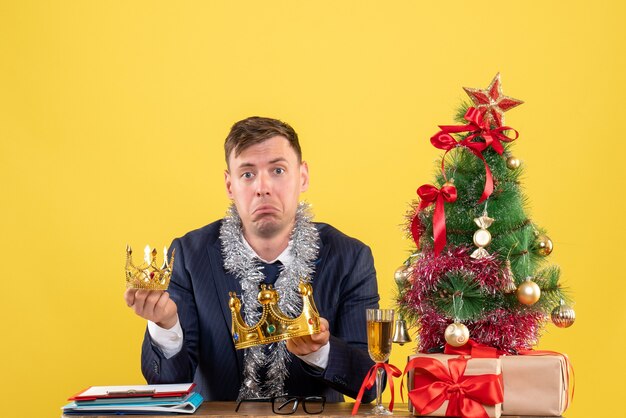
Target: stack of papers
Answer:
[[137, 399]]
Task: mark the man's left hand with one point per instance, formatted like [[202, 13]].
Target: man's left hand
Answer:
[[301, 346]]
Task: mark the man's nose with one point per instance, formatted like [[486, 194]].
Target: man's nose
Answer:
[[263, 185]]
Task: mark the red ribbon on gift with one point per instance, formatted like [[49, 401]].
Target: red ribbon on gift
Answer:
[[478, 128], [474, 349], [434, 383], [478, 350], [370, 380], [428, 195]]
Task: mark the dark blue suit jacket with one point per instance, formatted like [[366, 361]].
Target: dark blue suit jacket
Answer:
[[344, 286]]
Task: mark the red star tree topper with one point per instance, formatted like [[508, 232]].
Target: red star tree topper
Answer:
[[493, 101]]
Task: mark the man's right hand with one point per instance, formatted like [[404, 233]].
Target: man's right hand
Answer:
[[153, 305]]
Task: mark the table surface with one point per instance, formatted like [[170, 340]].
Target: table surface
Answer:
[[332, 410]]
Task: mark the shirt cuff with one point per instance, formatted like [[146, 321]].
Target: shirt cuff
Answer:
[[317, 358], [169, 341]]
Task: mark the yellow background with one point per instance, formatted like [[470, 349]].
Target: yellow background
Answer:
[[112, 119]]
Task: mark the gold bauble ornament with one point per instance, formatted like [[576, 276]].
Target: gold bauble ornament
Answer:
[[456, 334], [543, 245], [528, 292], [513, 163], [563, 316], [402, 275]]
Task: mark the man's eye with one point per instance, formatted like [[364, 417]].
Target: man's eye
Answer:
[[279, 170], [247, 175]]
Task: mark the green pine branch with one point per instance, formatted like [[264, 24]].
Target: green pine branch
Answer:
[[459, 296]]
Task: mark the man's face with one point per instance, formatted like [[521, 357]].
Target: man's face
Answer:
[[265, 182]]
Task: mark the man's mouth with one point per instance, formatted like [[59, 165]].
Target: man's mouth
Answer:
[[265, 209]]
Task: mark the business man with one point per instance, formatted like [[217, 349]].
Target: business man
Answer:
[[267, 236]]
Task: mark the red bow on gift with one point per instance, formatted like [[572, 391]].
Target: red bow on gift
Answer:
[[478, 128], [370, 379], [428, 195], [434, 383]]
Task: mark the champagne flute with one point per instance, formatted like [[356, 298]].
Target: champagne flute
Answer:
[[379, 335]]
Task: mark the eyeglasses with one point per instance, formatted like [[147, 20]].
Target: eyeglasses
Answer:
[[287, 404]]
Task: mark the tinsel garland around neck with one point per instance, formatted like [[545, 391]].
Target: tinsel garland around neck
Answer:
[[273, 358]]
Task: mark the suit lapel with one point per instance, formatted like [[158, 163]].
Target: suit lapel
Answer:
[[322, 256], [224, 283]]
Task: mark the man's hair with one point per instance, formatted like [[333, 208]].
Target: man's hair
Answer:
[[255, 130]]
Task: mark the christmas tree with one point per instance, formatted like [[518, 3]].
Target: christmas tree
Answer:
[[479, 269]]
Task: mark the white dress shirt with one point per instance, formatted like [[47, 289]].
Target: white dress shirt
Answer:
[[170, 341]]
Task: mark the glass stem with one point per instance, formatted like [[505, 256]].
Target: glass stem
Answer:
[[379, 386]]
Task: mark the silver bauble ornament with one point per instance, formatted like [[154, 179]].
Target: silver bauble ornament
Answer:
[[402, 275], [563, 316]]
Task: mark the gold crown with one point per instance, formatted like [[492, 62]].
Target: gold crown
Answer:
[[274, 325], [148, 275]]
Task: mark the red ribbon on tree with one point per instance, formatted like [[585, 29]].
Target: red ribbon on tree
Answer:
[[478, 128], [428, 195], [370, 380], [434, 383]]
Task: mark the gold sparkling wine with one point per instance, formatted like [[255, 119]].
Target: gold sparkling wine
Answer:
[[379, 336]]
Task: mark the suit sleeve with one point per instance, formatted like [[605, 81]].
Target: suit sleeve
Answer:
[[181, 367], [349, 361]]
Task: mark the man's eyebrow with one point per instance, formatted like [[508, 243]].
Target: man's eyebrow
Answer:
[[245, 165], [278, 160]]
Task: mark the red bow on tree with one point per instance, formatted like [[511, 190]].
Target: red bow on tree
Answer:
[[434, 384], [430, 194], [478, 128]]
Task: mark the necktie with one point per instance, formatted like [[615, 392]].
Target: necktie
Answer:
[[271, 271]]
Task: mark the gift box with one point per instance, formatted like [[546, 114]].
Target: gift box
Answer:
[[535, 384], [451, 385]]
